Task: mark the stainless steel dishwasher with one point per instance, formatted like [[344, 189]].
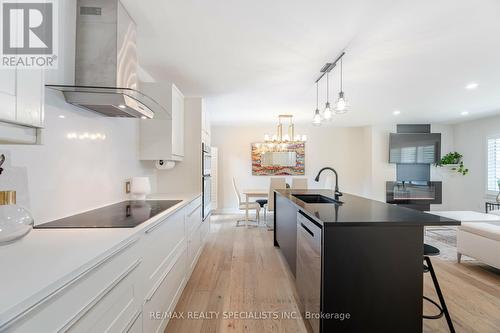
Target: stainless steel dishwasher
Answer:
[[308, 276]]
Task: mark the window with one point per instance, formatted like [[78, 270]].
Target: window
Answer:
[[493, 163]]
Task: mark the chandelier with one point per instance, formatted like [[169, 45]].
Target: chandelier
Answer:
[[285, 137]]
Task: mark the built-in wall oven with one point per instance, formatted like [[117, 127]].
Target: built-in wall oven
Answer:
[[207, 180]]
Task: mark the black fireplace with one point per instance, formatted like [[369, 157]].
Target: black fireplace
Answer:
[[414, 149], [418, 195]]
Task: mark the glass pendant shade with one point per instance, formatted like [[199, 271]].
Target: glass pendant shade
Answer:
[[341, 106], [327, 113], [15, 221], [317, 118]]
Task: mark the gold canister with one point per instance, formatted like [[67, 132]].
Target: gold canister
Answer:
[[7, 197]]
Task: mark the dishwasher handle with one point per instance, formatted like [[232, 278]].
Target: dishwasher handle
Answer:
[[307, 229]]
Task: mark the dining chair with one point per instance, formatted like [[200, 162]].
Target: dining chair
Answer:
[[275, 183], [242, 205], [299, 183]]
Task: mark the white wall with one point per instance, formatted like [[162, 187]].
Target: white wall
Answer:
[[62, 177], [345, 149], [359, 154], [469, 192]]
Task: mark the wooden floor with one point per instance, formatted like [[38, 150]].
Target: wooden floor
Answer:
[[241, 273]]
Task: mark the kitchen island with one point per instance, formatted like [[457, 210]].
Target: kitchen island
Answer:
[[358, 263]]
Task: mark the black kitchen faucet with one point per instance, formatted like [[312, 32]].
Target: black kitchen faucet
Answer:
[[337, 192]]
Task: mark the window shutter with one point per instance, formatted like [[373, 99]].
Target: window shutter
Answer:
[[493, 163]]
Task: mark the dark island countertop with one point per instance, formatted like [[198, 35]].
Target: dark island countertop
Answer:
[[359, 211]]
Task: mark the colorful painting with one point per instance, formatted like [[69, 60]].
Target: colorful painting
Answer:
[[259, 150]]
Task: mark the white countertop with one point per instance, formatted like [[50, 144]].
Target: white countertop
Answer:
[[45, 259], [466, 216]]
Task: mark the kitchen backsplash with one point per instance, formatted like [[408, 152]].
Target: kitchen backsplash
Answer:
[[83, 162]]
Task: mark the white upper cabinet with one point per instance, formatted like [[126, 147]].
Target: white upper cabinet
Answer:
[[177, 122], [21, 92], [8, 95], [21, 105], [162, 138]]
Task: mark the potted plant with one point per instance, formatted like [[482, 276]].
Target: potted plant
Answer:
[[454, 162], [498, 195]]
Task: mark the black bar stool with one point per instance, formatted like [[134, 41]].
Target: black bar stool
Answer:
[[428, 252]]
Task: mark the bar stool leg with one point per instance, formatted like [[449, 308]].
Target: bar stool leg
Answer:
[[440, 294]]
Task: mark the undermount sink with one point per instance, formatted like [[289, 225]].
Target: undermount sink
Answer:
[[316, 199]]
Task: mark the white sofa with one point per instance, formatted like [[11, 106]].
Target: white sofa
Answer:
[[480, 240], [478, 236]]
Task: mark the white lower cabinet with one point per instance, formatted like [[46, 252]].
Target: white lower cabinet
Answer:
[[194, 244], [136, 326], [115, 311], [164, 296], [161, 245], [131, 289], [102, 294]]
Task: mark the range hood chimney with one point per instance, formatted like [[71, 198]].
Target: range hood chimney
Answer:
[[106, 63]]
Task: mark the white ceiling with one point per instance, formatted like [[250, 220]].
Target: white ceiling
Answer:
[[253, 60]]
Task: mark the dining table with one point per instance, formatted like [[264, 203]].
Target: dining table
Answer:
[[253, 193]]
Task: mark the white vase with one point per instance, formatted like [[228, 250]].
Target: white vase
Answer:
[[15, 222]]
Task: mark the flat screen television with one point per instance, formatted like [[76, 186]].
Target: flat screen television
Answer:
[[414, 148]]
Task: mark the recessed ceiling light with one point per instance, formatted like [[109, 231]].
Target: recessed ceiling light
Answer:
[[121, 106], [396, 112], [61, 116], [464, 113], [472, 86], [144, 117]]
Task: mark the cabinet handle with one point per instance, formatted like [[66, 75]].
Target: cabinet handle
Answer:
[[132, 321], [156, 226], [194, 210]]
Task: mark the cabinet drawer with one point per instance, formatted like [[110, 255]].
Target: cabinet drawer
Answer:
[[194, 244], [115, 310], [110, 280], [161, 242], [193, 219], [165, 296], [190, 207]]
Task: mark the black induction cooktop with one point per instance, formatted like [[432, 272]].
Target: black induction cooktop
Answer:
[[126, 214]]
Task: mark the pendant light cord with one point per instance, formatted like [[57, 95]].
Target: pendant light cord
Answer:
[[317, 95], [327, 88], [341, 70]]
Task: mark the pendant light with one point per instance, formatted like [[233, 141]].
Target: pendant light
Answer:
[[327, 113], [317, 116], [341, 106]]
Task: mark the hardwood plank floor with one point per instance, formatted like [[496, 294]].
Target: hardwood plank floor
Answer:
[[240, 272]]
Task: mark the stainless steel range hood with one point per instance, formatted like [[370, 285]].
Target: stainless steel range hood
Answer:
[[106, 63]]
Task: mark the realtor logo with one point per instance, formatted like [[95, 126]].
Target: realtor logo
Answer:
[[28, 31]]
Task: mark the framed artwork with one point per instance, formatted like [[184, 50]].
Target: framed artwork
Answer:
[[283, 159]]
